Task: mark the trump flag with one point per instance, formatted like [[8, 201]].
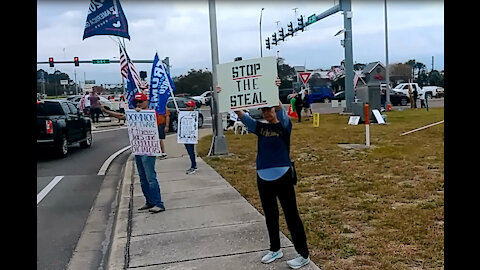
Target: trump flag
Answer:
[[161, 86], [105, 17]]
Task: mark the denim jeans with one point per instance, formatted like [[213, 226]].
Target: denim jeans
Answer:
[[191, 153], [148, 180]]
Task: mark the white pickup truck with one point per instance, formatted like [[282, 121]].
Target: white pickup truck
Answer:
[[433, 91], [403, 88]]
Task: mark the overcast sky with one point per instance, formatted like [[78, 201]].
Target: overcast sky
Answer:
[[180, 30]]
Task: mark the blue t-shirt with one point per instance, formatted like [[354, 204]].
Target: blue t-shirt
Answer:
[[273, 157]]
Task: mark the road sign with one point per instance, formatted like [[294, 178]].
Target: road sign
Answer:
[[101, 61], [304, 76]]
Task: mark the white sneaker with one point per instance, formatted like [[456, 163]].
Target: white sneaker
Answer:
[[272, 256], [298, 262]]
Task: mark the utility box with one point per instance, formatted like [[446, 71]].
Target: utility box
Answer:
[[369, 93]]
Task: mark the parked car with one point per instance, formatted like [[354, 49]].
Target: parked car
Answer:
[[204, 98], [321, 94], [283, 94], [396, 98], [182, 106], [60, 124]]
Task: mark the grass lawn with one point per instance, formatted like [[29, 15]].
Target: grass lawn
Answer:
[[376, 208]]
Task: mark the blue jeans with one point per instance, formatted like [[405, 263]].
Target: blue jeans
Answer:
[[148, 180], [191, 153]]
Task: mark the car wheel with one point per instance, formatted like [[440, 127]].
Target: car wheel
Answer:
[[174, 125], [403, 101], [62, 147], [88, 139], [200, 121], [326, 100]]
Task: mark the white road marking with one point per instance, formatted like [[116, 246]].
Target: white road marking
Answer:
[[109, 160], [48, 188]]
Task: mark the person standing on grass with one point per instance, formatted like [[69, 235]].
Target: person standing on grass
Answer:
[[275, 180], [299, 106], [145, 164]]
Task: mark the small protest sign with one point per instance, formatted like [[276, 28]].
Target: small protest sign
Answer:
[[143, 132], [353, 120], [187, 127], [378, 117], [247, 84]]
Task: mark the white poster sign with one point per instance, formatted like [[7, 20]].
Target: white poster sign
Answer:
[[187, 127], [143, 132], [378, 116], [353, 120], [247, 84]]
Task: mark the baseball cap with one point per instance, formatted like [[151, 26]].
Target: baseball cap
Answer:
[[141, 96]]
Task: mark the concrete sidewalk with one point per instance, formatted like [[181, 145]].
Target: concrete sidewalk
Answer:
[[207, 223]]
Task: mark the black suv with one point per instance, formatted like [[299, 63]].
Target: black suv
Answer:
[[182, 106]]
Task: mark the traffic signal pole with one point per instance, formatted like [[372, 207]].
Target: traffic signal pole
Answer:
[[219, 143]]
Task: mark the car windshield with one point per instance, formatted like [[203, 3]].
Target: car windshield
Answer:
[[49, 108]]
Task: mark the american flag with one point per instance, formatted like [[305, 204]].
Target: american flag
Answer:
[[124, 59]]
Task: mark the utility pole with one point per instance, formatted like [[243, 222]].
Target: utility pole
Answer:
[[219, 143], [346, 6], [387, 71]]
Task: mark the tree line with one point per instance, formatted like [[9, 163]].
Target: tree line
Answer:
[[195, 82]]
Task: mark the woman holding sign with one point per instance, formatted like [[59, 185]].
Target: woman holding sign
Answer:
[[275, 178]]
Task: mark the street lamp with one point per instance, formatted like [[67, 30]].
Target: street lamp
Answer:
[[261, 49]]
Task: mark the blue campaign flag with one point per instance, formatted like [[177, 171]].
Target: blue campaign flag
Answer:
[[131, 91], [161, 86], [106, 17]]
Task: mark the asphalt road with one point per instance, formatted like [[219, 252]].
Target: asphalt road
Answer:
[[63, 211]]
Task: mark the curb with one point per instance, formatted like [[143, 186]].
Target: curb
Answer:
[[116, 258]]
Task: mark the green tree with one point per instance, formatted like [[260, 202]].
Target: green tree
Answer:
[[195, 82], [286, 73]]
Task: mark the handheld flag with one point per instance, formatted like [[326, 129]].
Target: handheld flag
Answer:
[[132, 90], [106, 18], [161, 86]]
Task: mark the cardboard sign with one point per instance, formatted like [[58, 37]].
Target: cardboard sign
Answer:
[[353, 120], [378, 116], [143, 132], [187, 127], [247, 84]]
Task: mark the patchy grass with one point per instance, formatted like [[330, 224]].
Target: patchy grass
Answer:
[[377, 208]]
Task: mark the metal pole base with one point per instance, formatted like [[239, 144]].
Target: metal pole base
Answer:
[[219, 146]]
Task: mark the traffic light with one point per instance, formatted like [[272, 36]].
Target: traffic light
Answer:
[[290, 29], [75, 60], [274, 39], [300, 23], [268, 43], [282, 35], [50, 61]]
